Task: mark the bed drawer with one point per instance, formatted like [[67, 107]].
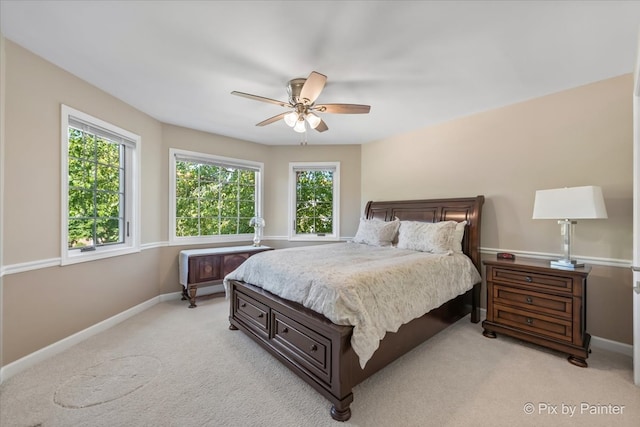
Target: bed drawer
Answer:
[[252, 313], [305, 347]]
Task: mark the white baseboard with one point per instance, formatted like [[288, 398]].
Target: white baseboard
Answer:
[[170, 297], [614, 346], [29, 360], [596, 342]]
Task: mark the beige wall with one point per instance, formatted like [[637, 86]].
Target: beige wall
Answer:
[[44, 304], [2, 115], [349, 158], [35, 89], [576, 137]]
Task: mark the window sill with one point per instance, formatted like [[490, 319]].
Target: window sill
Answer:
[[98, 254], [204, 240], [314, 239]]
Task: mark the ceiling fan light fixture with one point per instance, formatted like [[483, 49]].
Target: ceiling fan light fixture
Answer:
[[313, 120], [291, 118], [300, 126], [302, 105]]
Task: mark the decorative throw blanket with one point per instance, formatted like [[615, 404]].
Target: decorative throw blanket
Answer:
[[374, 289]]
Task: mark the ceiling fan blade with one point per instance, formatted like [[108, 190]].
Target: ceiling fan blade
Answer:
[[342, 108], [261, 98], [272, 119], [312, 87], [322, 126]]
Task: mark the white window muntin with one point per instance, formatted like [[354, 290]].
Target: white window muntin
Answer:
[[310, 166], [192, 156], [131, 218]]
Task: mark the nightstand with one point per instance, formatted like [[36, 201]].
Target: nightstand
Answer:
[[533, 302]]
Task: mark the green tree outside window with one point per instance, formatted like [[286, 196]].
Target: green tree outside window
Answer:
[[96, 190], [213, 200], [314, 201]]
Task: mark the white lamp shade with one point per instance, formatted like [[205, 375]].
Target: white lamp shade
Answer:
[[257, 221], [313, 120], [291, 118], [570, 203], [300, 126]]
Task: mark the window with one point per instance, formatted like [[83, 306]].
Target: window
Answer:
[[100, 207], [213, 198], [314, 201]]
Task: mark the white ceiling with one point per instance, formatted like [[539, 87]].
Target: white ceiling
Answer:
[[416, 63]]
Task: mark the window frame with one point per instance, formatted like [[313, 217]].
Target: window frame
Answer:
[[185, 155], [133, 148], [297, 166]]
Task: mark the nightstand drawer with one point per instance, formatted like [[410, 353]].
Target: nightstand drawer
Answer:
[[533, 322], [533, 280], [533, 301]]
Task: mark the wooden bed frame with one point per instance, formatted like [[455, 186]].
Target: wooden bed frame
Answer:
[[318, 350]]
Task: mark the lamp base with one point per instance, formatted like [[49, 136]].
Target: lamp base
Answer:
[[567, 264]]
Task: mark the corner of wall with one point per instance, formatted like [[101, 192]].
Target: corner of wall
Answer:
[[2, 113]]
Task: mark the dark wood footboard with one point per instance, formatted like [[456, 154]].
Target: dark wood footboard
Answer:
[[319, 351]]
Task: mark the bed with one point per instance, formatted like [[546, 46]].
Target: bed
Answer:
[[326, 354]]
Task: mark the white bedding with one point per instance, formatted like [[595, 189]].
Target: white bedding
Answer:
[[374, 289]]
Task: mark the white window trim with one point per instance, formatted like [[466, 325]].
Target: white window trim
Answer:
[[132, 203], [209, 158], [293, 166]]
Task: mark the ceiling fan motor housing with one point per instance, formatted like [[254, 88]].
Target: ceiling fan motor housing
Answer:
[[294, 87]]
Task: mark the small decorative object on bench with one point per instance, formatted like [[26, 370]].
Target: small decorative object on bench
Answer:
[[210, 266], [258, 224]]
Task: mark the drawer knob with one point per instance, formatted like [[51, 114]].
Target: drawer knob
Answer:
[[529, 300], [529, 321], [528, 279], [313, 348], [261, 315], [285, 330], [244, 304]]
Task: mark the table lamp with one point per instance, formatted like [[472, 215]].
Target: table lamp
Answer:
[[566, 205]]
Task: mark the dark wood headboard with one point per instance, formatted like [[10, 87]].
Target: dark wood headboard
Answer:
[[434, 210]]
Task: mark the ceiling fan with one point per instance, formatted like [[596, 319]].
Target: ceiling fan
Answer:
[[302, 96]]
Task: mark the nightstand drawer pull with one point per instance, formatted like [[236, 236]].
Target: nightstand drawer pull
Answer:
[[313, 348], [261, 315], [529, 321], [528, 279], [529, 300], [244, 304], [285, 330]]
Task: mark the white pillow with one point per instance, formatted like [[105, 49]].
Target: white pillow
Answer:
[[434, 237], [376, 232], [458, 235]]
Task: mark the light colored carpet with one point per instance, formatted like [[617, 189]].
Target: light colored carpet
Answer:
[[174, 366]]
